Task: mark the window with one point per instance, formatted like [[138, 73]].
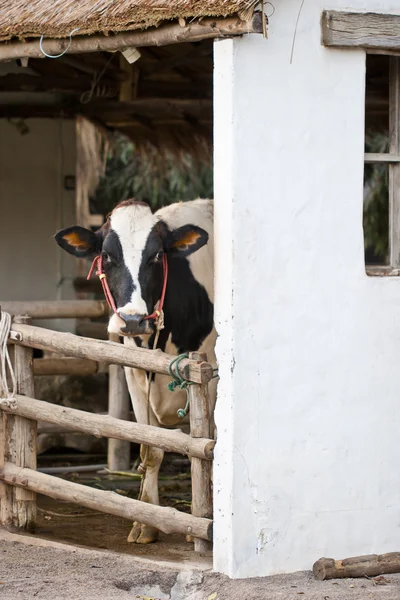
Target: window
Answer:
[[382, 166]]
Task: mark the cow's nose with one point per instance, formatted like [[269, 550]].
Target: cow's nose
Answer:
[[135, 324]]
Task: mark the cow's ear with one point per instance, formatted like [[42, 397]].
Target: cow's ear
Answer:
[[185, 240], [79, 241]]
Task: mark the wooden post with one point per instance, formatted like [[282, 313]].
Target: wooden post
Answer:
[[18, 438], [119, 451], [202, 504]]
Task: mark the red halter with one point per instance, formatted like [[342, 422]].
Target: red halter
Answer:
[[98, 262]]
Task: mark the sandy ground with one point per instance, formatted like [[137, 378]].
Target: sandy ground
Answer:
[[33, 568]]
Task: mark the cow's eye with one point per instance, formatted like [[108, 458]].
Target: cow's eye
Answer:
[[106, 257], [158, 256]]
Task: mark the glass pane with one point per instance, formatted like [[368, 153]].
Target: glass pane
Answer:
[[377, 103], [376, 214]]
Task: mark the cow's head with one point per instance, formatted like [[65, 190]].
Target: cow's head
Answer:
[[132, 243]]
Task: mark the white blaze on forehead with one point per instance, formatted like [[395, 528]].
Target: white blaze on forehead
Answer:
[[133, 224]]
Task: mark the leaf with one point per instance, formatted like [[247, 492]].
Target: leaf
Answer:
[[213, 596], [352, 585]]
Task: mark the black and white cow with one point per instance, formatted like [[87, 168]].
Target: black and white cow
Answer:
[[132, 243]]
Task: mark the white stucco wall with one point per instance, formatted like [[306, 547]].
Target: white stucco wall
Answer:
[[308, 410], [33, 206]]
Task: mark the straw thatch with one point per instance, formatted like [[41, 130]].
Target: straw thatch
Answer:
[[25, 19]]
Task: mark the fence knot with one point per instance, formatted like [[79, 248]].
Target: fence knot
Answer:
[[179, 382]]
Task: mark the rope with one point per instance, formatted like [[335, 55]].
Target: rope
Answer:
[[5, 361], [179, 382]]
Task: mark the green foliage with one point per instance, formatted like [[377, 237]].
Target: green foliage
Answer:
[[376, 204], [152, 177]]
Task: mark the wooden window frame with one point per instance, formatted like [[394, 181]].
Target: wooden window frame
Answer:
[[391, 158]]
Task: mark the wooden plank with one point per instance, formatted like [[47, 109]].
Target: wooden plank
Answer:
[[119, 404], [372, 157], [105, 426], [58, 309], [359, 566], [202, 504], [21, 438], [66, 366], [172, 33], [394, 168], [109, 352], [360, 30], [168, 520]]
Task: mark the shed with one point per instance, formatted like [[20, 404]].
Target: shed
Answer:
[[307, 410]]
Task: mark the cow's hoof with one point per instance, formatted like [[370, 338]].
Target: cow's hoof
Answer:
[[190, 539], [142, 534]]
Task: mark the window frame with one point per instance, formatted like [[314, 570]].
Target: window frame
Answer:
[[392, 158]]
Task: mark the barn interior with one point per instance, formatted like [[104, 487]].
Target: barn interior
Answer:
[[58, 122], [163, 102]]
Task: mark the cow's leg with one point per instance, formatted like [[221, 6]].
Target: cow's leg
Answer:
[[140, 533], [137, 383]]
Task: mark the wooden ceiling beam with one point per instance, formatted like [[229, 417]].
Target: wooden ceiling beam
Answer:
[[165, 35]]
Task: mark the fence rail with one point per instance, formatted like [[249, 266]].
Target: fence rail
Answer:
[[58, 309], [104, 426], [19, 480], [108, 352]]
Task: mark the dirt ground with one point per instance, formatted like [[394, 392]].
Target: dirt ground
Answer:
[[78, 554], [29, 570]]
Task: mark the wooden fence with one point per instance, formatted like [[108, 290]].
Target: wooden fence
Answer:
[[118, 458], [19, 480]]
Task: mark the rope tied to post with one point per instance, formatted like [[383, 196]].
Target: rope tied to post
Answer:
[[179, 382], [5, 360]]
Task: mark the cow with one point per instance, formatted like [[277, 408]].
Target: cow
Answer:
[[134, 244]]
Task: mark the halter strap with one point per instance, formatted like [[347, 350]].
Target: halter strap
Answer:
[[98, 265]]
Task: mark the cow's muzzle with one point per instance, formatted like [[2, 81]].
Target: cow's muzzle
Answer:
[[136, 325]]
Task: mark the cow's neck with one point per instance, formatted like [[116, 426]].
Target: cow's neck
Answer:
[[188, 311]]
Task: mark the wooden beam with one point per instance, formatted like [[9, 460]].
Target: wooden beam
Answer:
[[165, 35], [372, 157], [57, 309], [360, 30], [394, 168], [18, 441], [202, 504], [108, 352], [106, 426], [14, 82], [168, 520]]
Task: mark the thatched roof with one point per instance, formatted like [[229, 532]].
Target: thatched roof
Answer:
[[25, 19]]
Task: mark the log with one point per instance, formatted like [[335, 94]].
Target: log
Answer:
[[173, 33], [368, 30], [202, 502], [19, 440], [105, 426], [369, 565], [168, 520], [50, 428], [58, 309], [66, 366], [109, 352], [119, 404]]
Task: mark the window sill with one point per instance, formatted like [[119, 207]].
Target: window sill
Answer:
[[373, 271]]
